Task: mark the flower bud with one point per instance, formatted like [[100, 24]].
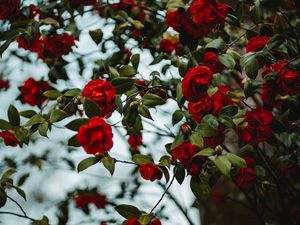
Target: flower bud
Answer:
[[186, 129]]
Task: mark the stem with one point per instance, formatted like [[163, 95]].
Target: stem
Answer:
[[126, 162], [18, 215], [20, 207]]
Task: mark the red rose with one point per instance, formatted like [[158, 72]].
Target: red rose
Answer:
[[173, 20], [34, 44], [96, 136], [195, 165], [269, 93], [208, 13], [82, 201], [257, 43], [184, 152], [99, 200], [209, 104], [255, 127], [9, 138], [135, 141], [4, 84], [155, 222], [216, 140], [56, 46], [246, 176], [103, 93], [9, 8], [150, 171], [34, 11], [167, 45], [195, 83], [211, 60], [32, 91], [133, 221]]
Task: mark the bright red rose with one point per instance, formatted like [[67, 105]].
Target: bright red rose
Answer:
[[208, 13], [9, 8], [255, 127], [155, 222], [135, 141], [257, 43], [209, 104], [173, 20], [184, 152], [133, 221], [99, 200], [34, 44], [246, 177], [4, 84], [150, 171], [9, 138], [32, 91], [288, 80], [167, 46], [196, 82], [103, 93], [56, 46], [211, 60], [96, 136]]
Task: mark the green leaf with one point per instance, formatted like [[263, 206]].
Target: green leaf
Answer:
[[141, 159], [152, 100], [144, 111], [36, 119], [28, 113], [223, 164], [135, 60], [200, 187], [179, 94], [73, 92], [109, 164], [127, 71], [91, 108], [251, 68], [179, 173], [86, 163], [196, 139], [13, 116], [50, 21], [76, 124], [275, 41], [20, 192], [73, 141], [44, 221], [177, 117], [229, 110], [52, 94], [8, 173], [122, 84], [23, 179], [227, 60], [96, 35], [128, 211], [179, 139], [205, 152], [146, 218], [4, 125], [236, 160], [43, 128], [57, 115], [219, 44], [113, 73]]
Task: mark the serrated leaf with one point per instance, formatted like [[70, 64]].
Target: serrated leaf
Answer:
[[219, 44], [177, 117], [8, 173], [227, 60], [86, 163], [109, 164], [20, 192], [13, 116], [43, 128], [144, 111], [73, 141], [229, 110], [113, 73]]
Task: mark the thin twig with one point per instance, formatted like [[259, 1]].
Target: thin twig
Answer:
[[18, 215]]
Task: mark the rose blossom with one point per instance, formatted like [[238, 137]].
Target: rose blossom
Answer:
[[135, 141], [184, 152], [96, 136], [9, 138], [246, 176], [4, 84], [211, 60], [150, 171], [257, 43], [9, 8]]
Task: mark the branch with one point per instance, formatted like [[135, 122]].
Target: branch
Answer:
[[18, 215]]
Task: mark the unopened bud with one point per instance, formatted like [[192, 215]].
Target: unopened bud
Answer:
[[218, 150], [77, 101], [60, 99], [134, 104], [186, 129]]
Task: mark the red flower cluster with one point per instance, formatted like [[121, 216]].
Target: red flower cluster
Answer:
[[135, 141], [32, 91], [184, 153], [195, 83], [4, 84], [132, 8], [83, 200], [246, 177], [135, 221], [168, 46], [103, 93], [9, 138], [150, 171], [202, 17], [211, 60], [53, 46], [96, 136], [215, 140], [209, 104], [9, 8], [257, 43], [255, 127]]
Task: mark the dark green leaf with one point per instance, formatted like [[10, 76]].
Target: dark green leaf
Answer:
[[122, 84], [52, 94], [96, 35], [91, 108], [128, 211], [57, 115], [76, 124], [141, 159], [86, 163], [109, 164], [152, 100], [13, 116]]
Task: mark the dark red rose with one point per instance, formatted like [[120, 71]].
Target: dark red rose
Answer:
[[34, 44], [211, 60], [9, 9], [257, 43], [288, 80], [56, 46], [4, 84], [196, 82], [194, 167], [32, 91], [103, 93], [167, 46], [34, 11], [150, 171], [184, 152], [209, 104], [141, 85], [126, 54], [208, 13], [96, 136], [246, 177], [9, 138], [99, 200], [133, 221], [135, 141], [155, 222], [83, 200], [269, 93], [216, 140], [173, 19], [255, 127]]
